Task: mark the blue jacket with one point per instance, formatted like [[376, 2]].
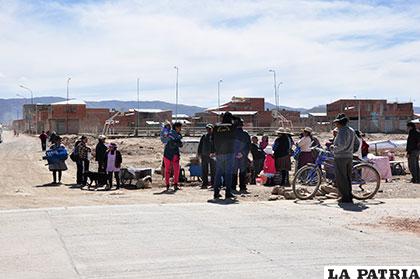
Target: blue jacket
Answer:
[[242, 143], [173, 145]]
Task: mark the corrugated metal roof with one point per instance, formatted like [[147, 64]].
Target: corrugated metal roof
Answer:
[[318, 113], [70, 102], [218, 112], [147, 110], [180, 116]]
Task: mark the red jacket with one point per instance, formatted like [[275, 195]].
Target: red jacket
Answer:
[[269, 164], [365, 148], [43, 137]]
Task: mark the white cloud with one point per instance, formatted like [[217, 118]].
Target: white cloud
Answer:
[[321, 50]]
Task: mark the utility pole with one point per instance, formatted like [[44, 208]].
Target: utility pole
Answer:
[[67, 106], [138, 107], [176, 91], [218, 93], [275, 88], [359, 116], [358, 113]]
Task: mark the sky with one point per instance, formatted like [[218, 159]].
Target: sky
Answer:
[[321, 50]]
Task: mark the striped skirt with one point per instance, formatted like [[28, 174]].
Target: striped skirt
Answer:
[[283, 163], [305, 158]]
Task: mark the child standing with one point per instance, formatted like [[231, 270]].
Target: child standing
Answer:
[[269, 166], [113, 161]]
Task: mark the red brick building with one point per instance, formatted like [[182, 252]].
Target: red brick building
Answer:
[[71, 117], [251, 110], [141, 118], [375, 115]]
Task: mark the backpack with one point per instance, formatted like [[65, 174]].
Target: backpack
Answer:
[[356, 144], [75, 153], [182, 177]]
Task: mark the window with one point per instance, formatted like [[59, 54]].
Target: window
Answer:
[[70, 109]]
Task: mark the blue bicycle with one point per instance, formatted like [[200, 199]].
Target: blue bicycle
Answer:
[[365, 179]]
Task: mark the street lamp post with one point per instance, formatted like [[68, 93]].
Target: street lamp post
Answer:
[[138, 106], [275, 87], [30, 91], [176, 91], [278, 94], [218, 93], [358, 114], [23, 111], [32, 102], [67, 106]]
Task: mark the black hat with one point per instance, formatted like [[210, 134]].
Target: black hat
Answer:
[[341, 117]]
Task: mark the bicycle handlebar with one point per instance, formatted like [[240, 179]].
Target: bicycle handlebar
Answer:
[[321, 150]]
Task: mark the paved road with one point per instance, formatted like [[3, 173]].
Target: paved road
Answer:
[[248, 240]]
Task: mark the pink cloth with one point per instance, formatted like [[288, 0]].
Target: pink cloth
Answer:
[[175, 165], [381, 163], [269, 164]]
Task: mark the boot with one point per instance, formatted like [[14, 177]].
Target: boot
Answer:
[[216, 194]]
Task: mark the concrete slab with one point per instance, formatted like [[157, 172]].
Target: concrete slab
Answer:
[[250, 240]]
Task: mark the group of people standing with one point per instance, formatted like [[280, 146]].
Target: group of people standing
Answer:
[[108, 158], [224, 151]]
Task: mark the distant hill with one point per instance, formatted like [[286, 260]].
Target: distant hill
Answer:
[[11, 109], [320, 108], [125, 105], [270, 106]]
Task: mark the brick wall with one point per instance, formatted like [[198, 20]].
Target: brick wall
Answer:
[[375, 115]]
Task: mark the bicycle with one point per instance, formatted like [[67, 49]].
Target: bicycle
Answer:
[[365, 179]]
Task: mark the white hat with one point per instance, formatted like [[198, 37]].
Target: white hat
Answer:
[[102, 137], [308, 129], [282, 130], [268, 150]]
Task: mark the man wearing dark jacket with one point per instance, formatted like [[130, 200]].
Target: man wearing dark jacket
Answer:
[[205, 152], [43, 137], [224, 136], [343, 148], [242, 147], [413, 147], [258, 157], [100, 152]]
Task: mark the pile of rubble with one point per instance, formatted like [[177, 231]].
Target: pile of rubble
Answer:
[[286, 193]]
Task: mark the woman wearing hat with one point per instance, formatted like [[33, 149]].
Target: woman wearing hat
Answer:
[[282, 149], [57, 156], [113, 161], [305, 143]]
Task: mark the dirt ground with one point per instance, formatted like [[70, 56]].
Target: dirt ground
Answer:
[[24, 178]]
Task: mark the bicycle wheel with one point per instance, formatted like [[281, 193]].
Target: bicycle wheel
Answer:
[[306, 182], [365, 181]]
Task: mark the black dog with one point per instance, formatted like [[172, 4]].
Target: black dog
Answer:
[[99, 178]]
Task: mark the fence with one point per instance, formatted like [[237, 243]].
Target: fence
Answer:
[[186, 131]]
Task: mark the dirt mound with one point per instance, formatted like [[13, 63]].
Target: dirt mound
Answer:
[[402, 224]]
